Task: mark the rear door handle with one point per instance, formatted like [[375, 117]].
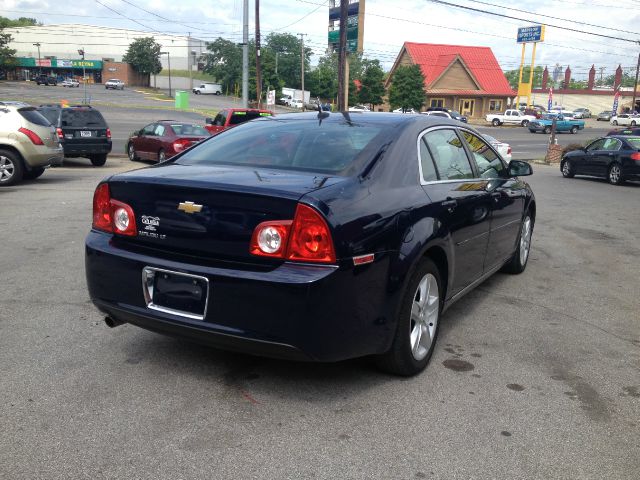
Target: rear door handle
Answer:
[[450, 204]]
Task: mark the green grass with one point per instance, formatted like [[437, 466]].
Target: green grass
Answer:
[[185, 74]]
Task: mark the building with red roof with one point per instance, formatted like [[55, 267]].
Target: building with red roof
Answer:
[[467, 79]]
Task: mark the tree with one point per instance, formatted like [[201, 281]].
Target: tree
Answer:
[[224, 62], [323, 80], [407, 88], [372, 84], [627, 80], [20, 22], [144, 56], [7, 55], [513, 75]]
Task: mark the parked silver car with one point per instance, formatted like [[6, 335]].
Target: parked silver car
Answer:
[[28, 143], [114, 83]]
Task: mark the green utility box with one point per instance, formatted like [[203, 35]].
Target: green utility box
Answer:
[[182, 99]]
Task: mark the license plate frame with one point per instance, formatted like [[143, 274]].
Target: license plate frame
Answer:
[[177, 293], [86, 133]]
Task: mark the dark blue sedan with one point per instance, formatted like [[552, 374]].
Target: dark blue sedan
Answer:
[[311, 236]]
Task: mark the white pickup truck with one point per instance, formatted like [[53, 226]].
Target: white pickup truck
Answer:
[[515, 117]]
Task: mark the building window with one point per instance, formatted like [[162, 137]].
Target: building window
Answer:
[[436, 102], [495, 105]]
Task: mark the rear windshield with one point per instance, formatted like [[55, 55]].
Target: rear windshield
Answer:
[[634, 142], [241, 117], [189, 129], [30, 114], [331, 147], [82, 118]]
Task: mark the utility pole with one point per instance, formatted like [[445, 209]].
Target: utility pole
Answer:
[[342, 55], [189, 64], [602, 69], [258, 66], [169, 65], [245, 53], [39, 61], [302, 35], [635, 86]]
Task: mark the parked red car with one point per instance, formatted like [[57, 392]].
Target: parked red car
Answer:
[[164, 139], [233, 116]]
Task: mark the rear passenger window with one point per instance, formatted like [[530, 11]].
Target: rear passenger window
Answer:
[[448, 155], [30, 114], [488, 162], [427, 167]]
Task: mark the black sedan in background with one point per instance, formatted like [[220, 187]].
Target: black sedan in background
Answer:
[[616, 158], [311, 236]]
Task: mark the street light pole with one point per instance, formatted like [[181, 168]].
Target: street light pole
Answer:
[[39, 61], [169, 64], [84, 75]]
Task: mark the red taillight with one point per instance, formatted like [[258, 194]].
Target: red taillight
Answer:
[[180, 144], [111, 215], [33, 136], [102, 208], [60, 133], [509, 150], [305, 239], [635, 156], [109, 133]]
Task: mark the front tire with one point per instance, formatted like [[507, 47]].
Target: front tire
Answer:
[[131, 151], [615, 122], [547, 130], [518, 262], [633, 123], [11, 168], [574, 129], [614, 176], [98, 160], [567, 169], [417, 323], [525, 123]]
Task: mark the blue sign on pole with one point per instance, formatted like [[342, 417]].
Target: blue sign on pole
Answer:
[[534, 33]]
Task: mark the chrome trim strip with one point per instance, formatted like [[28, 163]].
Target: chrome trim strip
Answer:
[[148, 275], [507, 224]]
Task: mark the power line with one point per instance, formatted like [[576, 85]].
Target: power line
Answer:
[[486, 12], [122, 15], [160, 16]]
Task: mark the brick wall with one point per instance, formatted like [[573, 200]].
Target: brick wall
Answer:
[[124, 72]]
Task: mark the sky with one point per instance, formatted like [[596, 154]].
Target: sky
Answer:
[[388, 24]]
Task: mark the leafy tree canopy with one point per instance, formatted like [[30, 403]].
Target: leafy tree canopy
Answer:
[[513, 75], [20, 22], [407, 88], [144, 56], [372, 84]]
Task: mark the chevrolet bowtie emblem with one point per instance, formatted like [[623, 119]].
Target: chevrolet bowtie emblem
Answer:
[[189, 207]]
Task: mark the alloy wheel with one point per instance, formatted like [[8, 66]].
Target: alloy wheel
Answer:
[[132, 152], [525, 240], [425, 310], [7, 169], [614, 174]]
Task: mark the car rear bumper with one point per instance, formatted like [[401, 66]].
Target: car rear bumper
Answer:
[[303, 312], [81, 149], [41, 156]]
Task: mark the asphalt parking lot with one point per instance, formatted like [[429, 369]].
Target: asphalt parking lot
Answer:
[[534, 375]]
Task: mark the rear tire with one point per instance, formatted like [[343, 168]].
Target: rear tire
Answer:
[[11, 168], [161, 156], [633, 123], [33, 173], [615, 122], [614, 175], [98, 160], [518, 262], [495, 122], [418, 323]]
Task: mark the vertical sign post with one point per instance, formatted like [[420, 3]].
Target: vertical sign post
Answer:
[[533, 34]]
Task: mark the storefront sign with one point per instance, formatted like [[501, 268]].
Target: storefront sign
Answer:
[[65, 63], [534, 33], [88, 64]]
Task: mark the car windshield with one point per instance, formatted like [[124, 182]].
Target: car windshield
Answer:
[[189, 129], [634, 142], [330, 147]]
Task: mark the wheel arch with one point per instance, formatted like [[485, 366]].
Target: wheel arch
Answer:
[[15, 151]]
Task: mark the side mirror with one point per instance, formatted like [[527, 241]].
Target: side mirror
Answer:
[[208, 120], [519, 169]]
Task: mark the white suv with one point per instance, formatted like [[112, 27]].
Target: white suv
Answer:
[[28, 143], [114, 83]]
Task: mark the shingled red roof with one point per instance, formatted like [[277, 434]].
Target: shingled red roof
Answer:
[[434, 59]]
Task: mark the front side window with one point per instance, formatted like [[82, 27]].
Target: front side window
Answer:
[[149, 129], [448, 154], [219, 120], [597, 145], [489, 163]]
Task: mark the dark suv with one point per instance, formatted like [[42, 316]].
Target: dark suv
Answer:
[[46, 80], [82, 131]]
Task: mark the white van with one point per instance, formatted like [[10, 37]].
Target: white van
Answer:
[[208, 88]]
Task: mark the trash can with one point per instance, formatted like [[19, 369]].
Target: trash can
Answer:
[[182, 99]]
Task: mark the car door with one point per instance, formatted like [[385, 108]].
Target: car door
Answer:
[[507, 200], [601, 159], [141, 143], [461, 200], [585, 163]]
